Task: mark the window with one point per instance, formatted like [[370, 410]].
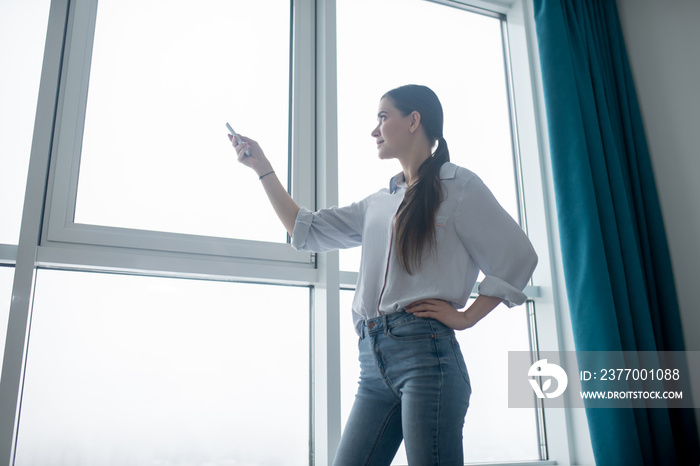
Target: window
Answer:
[[20, 23], [139, 370], [164, 79], [147, 252], [6, 274], [464, 64], [141, 154]]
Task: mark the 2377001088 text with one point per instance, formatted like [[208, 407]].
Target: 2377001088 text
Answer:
[[631, 374]]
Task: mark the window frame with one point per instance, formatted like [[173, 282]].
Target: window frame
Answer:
[[49, 238], [59, 228]]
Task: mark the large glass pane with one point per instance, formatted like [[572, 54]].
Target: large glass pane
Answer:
[[133, 370], [349, 363], [458, 54], [6, 281], [492, 431], [165, 78], [22, 36]]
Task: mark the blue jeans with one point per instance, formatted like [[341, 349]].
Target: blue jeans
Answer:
[[413, 386]]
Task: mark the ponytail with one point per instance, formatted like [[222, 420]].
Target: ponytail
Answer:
[[415, 219]]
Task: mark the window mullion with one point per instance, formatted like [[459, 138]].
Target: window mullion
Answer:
[[25, 267], [326, 361]]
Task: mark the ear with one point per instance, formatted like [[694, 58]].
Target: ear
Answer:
[[415, 121]]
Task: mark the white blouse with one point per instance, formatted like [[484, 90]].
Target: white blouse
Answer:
[[473, 233]]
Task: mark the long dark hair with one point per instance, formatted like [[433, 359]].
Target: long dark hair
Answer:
[[415, 219]]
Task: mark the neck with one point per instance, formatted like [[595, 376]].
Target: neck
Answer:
[[410, 173], [413, 161]]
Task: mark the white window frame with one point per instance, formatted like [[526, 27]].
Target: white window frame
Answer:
[[50, 239], [59, 229]]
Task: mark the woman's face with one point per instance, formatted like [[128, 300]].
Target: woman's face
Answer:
[[392, 131]]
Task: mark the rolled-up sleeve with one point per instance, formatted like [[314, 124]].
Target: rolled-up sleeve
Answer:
[[329, 229], [496, 243]]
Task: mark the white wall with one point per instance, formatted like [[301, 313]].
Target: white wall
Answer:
[[663, 43]]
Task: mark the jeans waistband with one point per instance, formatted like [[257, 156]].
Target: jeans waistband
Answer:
[[385, 322]]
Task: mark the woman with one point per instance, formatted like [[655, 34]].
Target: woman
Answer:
[[424, 241]]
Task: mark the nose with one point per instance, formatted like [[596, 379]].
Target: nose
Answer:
[[375, 132]]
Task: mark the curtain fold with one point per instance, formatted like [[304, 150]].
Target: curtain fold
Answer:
[[617, 265]]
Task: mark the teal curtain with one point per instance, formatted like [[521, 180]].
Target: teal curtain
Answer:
[[617, 266]]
